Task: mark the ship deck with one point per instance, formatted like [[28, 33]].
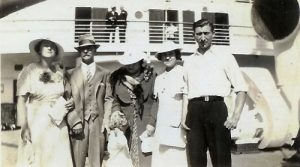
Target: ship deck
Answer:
[[264, 158]]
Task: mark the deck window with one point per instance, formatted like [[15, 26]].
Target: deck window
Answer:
[[163, 25], [221, 23], [91, 20], [188, 20]]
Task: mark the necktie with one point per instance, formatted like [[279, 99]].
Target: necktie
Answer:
[[88, 75]]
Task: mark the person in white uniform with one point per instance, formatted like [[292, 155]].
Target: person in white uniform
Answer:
[[170, 92]]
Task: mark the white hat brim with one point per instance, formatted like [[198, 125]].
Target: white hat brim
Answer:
[[169, 49], [131, 58]]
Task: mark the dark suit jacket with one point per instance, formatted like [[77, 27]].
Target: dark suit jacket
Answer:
[[111, 19], [102, 90], [122, 17]]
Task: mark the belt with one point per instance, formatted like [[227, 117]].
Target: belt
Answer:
[[208, 98]]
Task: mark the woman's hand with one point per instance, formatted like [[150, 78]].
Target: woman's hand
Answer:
[[184, 125], [184, 111], [70, 105], [105, 125], [150, 130], [25, 134]]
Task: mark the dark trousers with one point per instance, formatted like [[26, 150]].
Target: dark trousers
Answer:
[[206, 120], [91, 144], [296, 144]]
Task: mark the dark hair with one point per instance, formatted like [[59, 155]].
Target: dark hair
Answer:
[[202, 23], [146, 72], [37, 48], [177, 54], [121, 72]]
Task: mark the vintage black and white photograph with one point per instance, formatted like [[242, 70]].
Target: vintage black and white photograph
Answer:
[[150, 83]]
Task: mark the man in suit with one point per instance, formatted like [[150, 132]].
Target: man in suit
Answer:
[[92, 99], [111, 22]]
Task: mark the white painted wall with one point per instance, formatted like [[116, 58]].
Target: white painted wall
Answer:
[[287, 56]]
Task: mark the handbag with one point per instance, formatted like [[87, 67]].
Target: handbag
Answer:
[[172, 136], [147, 142]]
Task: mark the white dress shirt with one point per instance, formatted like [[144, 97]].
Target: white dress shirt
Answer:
[[85, 68], [213, 73]]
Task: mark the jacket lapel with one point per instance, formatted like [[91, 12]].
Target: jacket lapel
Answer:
[[78, 80], [99, 79]]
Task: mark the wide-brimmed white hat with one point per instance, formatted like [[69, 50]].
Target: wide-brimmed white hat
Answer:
[[168, 46], [131, 57], [33, 47], [86, 40]]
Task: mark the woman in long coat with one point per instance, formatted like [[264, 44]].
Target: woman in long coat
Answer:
[[132, 87]]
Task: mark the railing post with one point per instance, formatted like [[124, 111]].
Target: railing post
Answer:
[[164, 38], [91, 27], [180, 33]]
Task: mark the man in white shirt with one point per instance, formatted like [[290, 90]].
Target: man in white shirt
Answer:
[[92, 96], [211, 75]]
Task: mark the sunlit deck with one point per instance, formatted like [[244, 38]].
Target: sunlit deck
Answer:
[[264, 158]]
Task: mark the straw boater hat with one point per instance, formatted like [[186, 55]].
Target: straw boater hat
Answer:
[[130, 57], [86, 40], [168, 46], [34, 47]]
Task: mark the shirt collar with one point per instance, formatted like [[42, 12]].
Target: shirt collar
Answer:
[[209, 51], [91, 67]]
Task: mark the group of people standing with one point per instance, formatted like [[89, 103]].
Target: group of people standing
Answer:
[[114, 20], [183, 108]]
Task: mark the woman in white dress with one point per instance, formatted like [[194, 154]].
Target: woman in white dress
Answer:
[[45, 139], [170, 90]]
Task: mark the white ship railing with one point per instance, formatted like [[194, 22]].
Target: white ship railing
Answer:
[[157, 31]]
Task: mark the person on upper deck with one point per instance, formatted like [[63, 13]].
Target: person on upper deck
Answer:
[[111, 23], [122, 23]]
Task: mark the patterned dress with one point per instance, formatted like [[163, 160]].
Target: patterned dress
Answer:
[[50, 142]]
